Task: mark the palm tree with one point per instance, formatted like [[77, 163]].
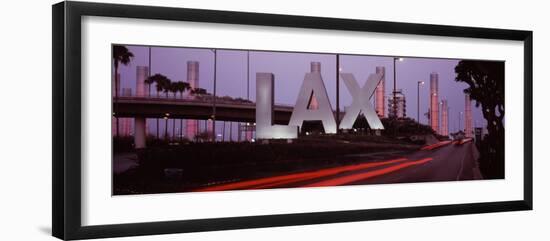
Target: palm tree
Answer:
[[199, 91], [182, 87], [121, 55], [162, 83], [149, 81], [173, 87], [166, 83]]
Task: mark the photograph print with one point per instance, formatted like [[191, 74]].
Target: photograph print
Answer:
[[204, 119]]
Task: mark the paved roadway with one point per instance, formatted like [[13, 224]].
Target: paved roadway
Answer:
[[444, 161]]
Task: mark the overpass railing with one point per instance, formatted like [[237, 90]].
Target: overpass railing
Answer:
[[193, 99]]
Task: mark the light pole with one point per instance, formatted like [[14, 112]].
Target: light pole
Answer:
[[214, 95], [440, 117], [149, 75], [394, 100], [418, 100], [247, 87], [248, 75], [338, 69]]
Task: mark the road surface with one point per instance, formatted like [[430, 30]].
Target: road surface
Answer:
[[443, 161]]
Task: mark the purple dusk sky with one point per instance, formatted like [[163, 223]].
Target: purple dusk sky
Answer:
[[289, 70]]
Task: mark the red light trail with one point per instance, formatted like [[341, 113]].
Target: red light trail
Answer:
[[366, 175], [290, 178], [436, 145]]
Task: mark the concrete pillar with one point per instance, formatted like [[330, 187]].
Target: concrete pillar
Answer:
[[193, 74], [142, 74], [380, 91], [139, 132], [192, 126]]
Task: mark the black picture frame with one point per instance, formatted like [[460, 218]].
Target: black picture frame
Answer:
[[66, 47]]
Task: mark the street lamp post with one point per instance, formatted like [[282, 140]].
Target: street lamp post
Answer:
[[338, 93], [246, 132], [149, 75], [418, 101], [214, 95], [394, 100], [248, 75]]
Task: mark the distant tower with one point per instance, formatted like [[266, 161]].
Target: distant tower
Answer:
[[191, 126], [468, 128], [444, 118], [380, 90], [315, 68], [400, 102], [142, 73], [193, 74], [434, 103]]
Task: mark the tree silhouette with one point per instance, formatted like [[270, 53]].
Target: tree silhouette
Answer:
[[166, 85], [199, 91], [173, 87], [162, 83], [149, 81], [182, 86], [121, 55], [486, 87]]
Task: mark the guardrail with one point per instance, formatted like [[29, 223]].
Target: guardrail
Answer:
[[191, 99]]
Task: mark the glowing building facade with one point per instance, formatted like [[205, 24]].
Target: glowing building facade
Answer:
[[434, 101], [444, 118], [142, 73], [125, 124], [140, 123], [192, 126], [379, 93]]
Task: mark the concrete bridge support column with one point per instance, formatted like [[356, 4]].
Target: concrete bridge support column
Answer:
[[139, 132]]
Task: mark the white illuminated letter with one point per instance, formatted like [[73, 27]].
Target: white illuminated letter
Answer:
[[361, 97], [265, 95], [313, 84]]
